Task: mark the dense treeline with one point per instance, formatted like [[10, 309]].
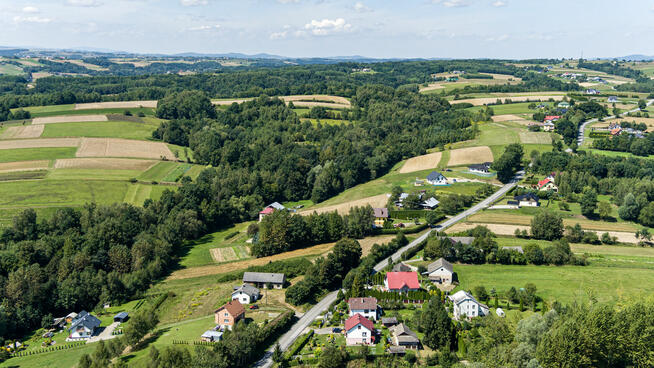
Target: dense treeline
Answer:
[[613, 67], [627, 143]]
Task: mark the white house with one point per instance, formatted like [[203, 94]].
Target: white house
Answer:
[[440, 272], [366, 307], [436, 178], [83, 326], [211, 336], [466, 306], [500, 312], [612, 99], [548, 126], [527, 200], [358, 330], [245, 294]]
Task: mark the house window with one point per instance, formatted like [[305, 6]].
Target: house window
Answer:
[[226, 321], [226, 314], [364, 334]]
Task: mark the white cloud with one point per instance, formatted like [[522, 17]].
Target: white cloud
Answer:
[[205, 28], [194, 2], [30, 9], [327, 26], [85, 3], [452, 3], [31, 19], [499, 3], [361, 7], [278, 35]]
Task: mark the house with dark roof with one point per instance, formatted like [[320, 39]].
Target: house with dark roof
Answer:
[[389, 321], [263, 279], [359, 330], [402, 282], [121, 317], [436, 178], [401, 267], [366, 307], [483, 168], [230, 313], [440, 272], [83, 326], [528, 200], [245, 294], [403, 336], [613, 99], [381, 216]]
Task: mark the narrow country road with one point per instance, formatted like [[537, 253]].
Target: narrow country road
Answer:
[[582, 127], [291, 335]]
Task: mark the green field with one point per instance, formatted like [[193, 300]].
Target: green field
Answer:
[[9, 69], [60, 193], [92, 174], [29, 154], [169, 171], [158, 171], [176, 173], [196, 253], [55, 359], [104, 129]]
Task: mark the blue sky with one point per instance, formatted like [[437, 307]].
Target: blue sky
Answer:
[[304, 28]]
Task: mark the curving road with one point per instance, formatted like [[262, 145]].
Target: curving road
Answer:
[[582, 127], [291, 335]]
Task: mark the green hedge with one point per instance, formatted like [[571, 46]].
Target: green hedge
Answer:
[[299, 344], [408, 214], [598, 134], [411, 230]]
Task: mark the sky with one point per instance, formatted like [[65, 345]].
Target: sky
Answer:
[[515, 29]]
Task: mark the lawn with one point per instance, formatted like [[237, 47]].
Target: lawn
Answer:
[[55, 359], [105, 129], [176, 173], [29, 154], [197, 252], [138, 193]]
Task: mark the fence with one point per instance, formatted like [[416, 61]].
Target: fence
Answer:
[[48, 349]]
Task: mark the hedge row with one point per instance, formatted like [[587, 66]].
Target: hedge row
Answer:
[[48, 349], [299, 344], [407, 214], [411, 230]]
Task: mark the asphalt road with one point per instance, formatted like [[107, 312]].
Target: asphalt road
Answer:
[[582, 127], [289, 337]]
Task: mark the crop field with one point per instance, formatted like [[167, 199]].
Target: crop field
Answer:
[[334, 102], [9, 69], [470, 155], [326, 121], [108, 129], [39, 143], [198, 252], [69, 119], [104, 164], [137, 194], [26, 131], [492, 100], [158, 171], [59, 193], [228, 254], [344, 208], [535, 138], [176, 173], [419, 163], [30, 154], [24, 165], [648, 121], [509, 117], [115, 105], [111, 147]]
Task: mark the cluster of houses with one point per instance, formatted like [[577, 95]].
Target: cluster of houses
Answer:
[[248, 292], [616, 129]]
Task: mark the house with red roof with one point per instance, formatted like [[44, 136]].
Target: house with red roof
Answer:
[[552, 118], [547, 184], [270, 209], [359, 330], [402, 282]]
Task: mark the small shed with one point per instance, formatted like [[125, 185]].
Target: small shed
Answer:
[[499, 312], [389, 321], [211, 336], [121, 317]]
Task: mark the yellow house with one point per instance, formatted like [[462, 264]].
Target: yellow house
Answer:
[[381, 215]]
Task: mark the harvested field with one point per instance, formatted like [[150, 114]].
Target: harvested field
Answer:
[[40, 143], [112, 147], [301, 101], [104, 164], [500, 229], [227, 254], [431, 87], [424, 162], [229, 102], [535, 138], [24, 165], [509, 117], [115, 105], [38, 75], [344, 208], [367, 243], [69, 119], [470, 155], [492, 100], [26, 131], [504, 77]]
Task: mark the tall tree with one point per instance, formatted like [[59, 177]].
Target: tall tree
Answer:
[[437, 324]]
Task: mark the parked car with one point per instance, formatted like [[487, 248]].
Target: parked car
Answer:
[[254, 306], [336, 330]]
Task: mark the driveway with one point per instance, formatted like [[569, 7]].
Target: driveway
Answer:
[[105, 334]]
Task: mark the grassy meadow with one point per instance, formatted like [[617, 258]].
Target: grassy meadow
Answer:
[[104, 129]]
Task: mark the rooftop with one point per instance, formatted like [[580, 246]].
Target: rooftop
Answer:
[[358, 319], [399, 280]]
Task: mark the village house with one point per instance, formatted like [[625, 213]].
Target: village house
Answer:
[[480, 168], [401, 267], [403, 336], [402, 282], [527, 200], [381, 216], [418, 182], [211, 336], [547, 184], [563, 105], [230, 313], [592, 91], [552, 118], [466, 306], [440, 272], [549, 126], [263, 279], [358, 330], [613, 99], [366, 307], [245, 294], [83, 326], [389, 321], [430, 204], [436, 178], [275, 206]]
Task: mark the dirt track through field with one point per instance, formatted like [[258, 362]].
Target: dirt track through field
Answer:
[[424, 162], [27, 131], [492, 100], [470, 155], [113, 147], [344, 208], [40, 143], [104, 164], [115, 105], [500, 229], [69, 119], [24, 165]]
